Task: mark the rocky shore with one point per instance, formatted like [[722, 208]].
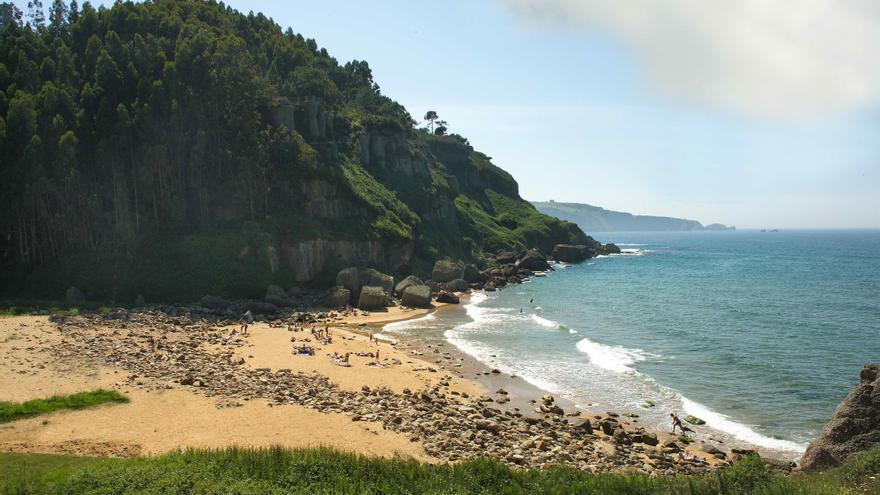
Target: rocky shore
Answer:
[[193, 349]]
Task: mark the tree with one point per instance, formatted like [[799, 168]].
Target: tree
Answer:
[[431, 116], [36, 14], [441, 128], [9, 14], [58, 17]]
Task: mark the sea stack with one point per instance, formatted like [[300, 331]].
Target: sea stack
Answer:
[[855, 426]]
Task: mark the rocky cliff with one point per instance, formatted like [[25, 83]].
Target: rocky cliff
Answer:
[[854, 427], [180, 148]]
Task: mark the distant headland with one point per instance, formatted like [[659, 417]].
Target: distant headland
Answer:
[[597, 219]]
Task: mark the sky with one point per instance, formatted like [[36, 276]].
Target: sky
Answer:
[[759, 114]]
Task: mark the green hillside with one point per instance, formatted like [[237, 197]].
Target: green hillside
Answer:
[[177, 148]]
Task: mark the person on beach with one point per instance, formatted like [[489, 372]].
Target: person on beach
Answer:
[[676, 423]]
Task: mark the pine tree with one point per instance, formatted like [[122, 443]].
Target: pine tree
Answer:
[[36, 14]]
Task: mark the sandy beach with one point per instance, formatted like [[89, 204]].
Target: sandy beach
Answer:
[[193, 384]]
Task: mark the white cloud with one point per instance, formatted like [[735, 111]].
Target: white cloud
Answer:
[[770, 58]]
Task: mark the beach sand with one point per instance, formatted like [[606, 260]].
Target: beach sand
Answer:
[[163, 420]]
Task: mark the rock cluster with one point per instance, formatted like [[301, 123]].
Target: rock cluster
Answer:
[[184, 348], [854, 427]]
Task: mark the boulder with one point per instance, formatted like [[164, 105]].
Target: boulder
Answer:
[[534, 260], [610, 249], [277, 296], [645, 437], [446, 271], [586, 427], [214, 302], [694, 420], [854, 427], [372, 298], [608, 426], [505, 257], [375, 278], [458, 285], [336, 297], [435, 287], [471, 274], [417, 296], [447, 297], [349, 279], [262, 307], [571, 253], [74, 295], [407, 282], [622, 437]]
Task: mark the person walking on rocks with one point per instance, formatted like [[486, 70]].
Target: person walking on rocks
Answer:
[[676, 423]]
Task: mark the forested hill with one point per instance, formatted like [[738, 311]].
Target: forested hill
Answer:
[[177, 148], [596, 219]]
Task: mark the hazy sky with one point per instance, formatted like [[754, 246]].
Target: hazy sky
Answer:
[[753, 113]]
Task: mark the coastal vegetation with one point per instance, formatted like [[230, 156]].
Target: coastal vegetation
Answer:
[[173, 149], [12, 411], [286, 471]]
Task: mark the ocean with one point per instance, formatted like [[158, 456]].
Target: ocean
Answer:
[[760, 334]]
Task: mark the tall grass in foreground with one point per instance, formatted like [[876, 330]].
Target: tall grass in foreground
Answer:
[[11, 411], [278, 471]]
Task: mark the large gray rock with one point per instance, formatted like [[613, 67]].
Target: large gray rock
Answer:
[[472, 274], [277, 296], [214, 302], [374, 278], [350, 279], [407, 282], [372, 298], [262, 307], [447, 297], [337, 297], [534, 260], [854, 427], [417, 296], [458, 285], [571, 253], [74, 295], [446, 271]]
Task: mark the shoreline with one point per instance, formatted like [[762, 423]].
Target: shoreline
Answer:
[[237, 389], [522, 391]]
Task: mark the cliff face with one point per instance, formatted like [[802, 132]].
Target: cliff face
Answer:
[[855, 426], [178, 148]]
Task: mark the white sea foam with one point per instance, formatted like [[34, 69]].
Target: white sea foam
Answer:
[[402, 326], [545, 322], [740, 431], [612, 358]]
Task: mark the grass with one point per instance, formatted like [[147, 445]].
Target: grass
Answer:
[[316, 471], [12, 411]]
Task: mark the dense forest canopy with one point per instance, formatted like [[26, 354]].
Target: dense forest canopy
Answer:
[[174, 148]]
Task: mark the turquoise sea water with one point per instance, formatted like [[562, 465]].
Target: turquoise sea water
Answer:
[[759, 334]]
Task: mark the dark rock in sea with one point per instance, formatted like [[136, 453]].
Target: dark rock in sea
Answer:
[[854, 427], [74, 295], [447, 297], [694, 420], [372, 298], [610, 249], [472, 275], [417, 296], [571, 253], [407, 282], [534, 260], [336, 297], [446, 271]]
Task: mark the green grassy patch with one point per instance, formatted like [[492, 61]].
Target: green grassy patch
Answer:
[[12, 411], [317, 471]]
